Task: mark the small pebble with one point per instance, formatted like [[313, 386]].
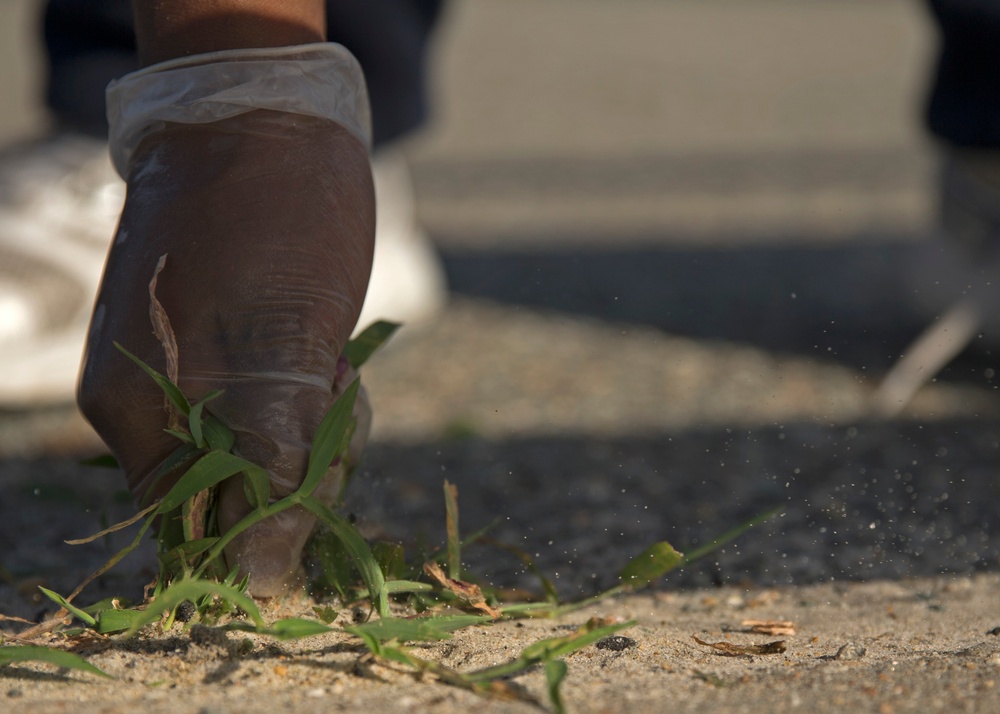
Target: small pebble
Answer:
[[850, 652], [185, 611], [615, 643]]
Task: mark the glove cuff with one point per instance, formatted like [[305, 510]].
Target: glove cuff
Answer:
[[319, 80]]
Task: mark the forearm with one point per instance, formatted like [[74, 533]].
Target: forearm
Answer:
[[166, 29]]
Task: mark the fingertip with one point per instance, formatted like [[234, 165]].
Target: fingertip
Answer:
[[270, 551]]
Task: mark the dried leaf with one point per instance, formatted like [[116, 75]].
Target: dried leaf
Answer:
[[769, 627], [13, 618], [451, 527], [116, 527], [731, 650], [467, 592], [165, 334]]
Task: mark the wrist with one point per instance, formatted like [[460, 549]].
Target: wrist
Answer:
[[321, 80], [168, 29]]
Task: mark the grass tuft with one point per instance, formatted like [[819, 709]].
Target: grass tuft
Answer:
[[194, 581]]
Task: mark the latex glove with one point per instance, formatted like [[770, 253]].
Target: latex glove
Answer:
[[267, 221]]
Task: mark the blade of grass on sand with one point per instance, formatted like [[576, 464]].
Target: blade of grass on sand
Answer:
[[364, 345], [549, 649], [63, 602], [420, 629], [555, 673], [293, 628], [110, 621], [192, 590], [32, 653]]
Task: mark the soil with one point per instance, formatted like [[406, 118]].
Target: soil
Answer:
[[885, 555]]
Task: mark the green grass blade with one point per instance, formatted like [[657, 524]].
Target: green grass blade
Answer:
[[729, 535], [116, 558], [555, 673], [257, 487], [293, 628], [364, 345], [650, 565], [195, 422], [336, 571], [63, 602], [10, 654], [330, 439], [192, 590], [567, 644], [211, 469], [179, 457], [424, 629], [359, 551], [218, 436], [172, 391], [182, 436], [111, 621], [451, 528], [391, 558], [549, 649]]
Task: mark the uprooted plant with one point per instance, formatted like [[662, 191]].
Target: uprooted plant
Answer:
[[413, 603]]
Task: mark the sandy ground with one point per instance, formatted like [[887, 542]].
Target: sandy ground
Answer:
[[674, 289]]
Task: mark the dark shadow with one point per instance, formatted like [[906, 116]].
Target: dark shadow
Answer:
[[878, 500], [874, 500], [845, 302]]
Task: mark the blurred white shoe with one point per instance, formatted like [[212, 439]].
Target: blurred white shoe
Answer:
[[59, 204], [408, 282], [955, 279]]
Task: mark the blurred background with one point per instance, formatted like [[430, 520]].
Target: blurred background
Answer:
[[672, 232]]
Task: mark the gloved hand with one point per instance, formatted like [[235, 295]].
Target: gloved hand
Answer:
[[266, 219]]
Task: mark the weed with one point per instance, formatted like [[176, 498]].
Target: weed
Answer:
[[194, 587]]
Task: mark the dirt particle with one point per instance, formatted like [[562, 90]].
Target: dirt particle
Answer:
[[850, 652], [185, 611], [616, 643]]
